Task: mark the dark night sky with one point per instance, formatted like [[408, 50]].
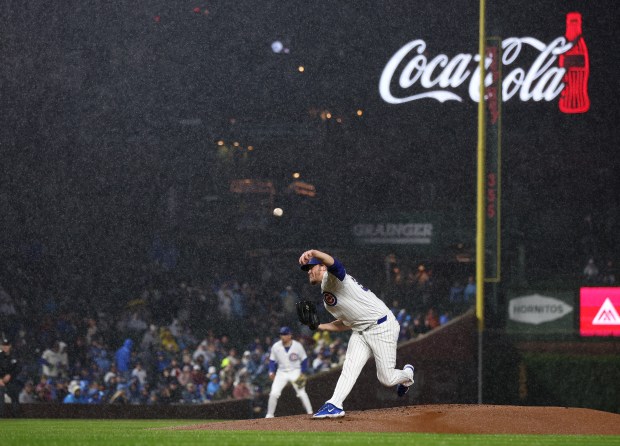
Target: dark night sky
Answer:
[[93, 95]]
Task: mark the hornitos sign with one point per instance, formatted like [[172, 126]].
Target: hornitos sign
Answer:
[[536, 309]]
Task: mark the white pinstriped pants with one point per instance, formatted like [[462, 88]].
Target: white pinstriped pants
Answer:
[[379, 341]]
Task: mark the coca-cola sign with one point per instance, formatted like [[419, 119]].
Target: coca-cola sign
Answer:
[[438, 77], [411, 74]]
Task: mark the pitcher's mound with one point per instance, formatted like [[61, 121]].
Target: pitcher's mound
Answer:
[[451, 418]]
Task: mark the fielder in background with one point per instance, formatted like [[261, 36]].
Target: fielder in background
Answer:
[[355, 307], [289, 358]]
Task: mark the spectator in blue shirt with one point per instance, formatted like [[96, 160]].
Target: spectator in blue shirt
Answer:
[[469, 293], [213, 387], [123, 358], [75, 395]]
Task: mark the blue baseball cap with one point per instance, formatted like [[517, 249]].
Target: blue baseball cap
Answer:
[[285, 331], [313, 261]]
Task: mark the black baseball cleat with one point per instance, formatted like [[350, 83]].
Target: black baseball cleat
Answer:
[[401, 389]]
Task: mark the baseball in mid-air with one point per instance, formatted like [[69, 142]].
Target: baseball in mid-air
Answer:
[[278, 212]]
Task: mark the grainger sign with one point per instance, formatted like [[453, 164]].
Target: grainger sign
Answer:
[[560, 69], [394, 233]]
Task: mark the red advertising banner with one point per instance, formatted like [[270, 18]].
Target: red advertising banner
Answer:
[[599, 311]]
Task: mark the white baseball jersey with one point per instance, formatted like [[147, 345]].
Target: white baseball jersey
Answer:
[[375, 331], [288, 359], [348, 300]]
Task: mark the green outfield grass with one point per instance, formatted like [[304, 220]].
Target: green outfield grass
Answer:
[[141, 432]]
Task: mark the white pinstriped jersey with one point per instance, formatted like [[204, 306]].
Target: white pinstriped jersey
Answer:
[[348, 300], [288, 360]]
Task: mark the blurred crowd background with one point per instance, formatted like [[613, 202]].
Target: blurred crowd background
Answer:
[[190, 342]]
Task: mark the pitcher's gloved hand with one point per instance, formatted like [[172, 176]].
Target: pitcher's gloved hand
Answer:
[[306, 310]]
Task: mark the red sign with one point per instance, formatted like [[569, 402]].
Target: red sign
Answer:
[[599, 315], [576, 62]]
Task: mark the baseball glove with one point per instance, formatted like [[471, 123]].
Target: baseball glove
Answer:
[[306, 310], [301, 381]]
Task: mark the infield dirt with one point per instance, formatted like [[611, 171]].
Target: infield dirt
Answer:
[[450, 418]]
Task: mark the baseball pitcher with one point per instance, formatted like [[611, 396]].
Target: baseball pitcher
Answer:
[[356, 308]]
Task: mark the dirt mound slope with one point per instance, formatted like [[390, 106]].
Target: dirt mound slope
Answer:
[[450, 418]]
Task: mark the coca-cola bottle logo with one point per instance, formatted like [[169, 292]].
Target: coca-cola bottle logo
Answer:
[[576, 62]]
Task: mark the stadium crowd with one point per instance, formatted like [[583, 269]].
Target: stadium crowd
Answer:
[[177, 342]]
